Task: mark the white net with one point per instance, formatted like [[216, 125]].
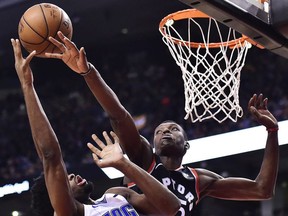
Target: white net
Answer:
[[211, 75]]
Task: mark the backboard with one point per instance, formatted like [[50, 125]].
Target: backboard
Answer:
[[264, 21]]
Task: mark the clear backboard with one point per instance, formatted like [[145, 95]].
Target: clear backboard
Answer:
[[264, 21]]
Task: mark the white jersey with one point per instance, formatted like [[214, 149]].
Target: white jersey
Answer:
[[110, 205]]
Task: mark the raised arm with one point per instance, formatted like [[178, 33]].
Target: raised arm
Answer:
[[157, 199], [137, 149], [245, 189], [45, 140]]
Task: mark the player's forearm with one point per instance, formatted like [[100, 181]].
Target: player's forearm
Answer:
[[268, 173], [42, 132], [104, 95], [156, 193], [120, 119]]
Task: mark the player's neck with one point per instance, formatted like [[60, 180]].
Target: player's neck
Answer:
[[171, 163]]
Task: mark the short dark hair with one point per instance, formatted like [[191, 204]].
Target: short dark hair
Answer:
[[40, 201]]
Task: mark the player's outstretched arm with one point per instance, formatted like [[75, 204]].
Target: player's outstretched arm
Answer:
[[245, 189], [45, 140], [157, 199], [137, 149], [267, 176]]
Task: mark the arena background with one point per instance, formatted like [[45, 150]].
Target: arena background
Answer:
[[122, 40]]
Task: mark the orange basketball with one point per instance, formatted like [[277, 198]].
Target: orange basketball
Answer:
[[38, 23]]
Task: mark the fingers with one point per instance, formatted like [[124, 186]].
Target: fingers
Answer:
[[101, 145], [18, 52], [96, 159], [59, 45], [95, 152], [82, 55], [66, 43], [98, 141], [16, 48], [252, 101], [107, 138], [30, 57], [53, 55], [262, 103], [115, 137], [265, 102], [93, 148], [99, 154], [253, 110], [258, 102], [70, 45], [61, 36]]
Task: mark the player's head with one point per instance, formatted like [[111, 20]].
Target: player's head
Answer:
[[40, 202], [81, 188], [170, 139]]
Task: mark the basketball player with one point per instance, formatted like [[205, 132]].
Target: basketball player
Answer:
[[69, 194], [171, 143]]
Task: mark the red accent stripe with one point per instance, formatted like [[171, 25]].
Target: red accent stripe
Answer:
[[196, 183], [150, 169]]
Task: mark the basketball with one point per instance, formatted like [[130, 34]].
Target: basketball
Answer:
[[38, 23]]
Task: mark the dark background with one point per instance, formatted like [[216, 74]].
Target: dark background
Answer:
[[138, 66]]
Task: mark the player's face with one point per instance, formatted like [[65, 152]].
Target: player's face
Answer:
[[80, 187], [169, 140]]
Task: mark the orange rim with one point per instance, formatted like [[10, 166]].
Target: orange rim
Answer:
[[193, 13]]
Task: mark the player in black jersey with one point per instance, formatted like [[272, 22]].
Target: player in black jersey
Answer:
[[171, 144]]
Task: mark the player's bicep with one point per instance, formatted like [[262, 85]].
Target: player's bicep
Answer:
[[231, 188], [236, 189]]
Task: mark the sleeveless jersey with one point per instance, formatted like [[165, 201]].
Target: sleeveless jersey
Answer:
[[110, 205], [183, 182]]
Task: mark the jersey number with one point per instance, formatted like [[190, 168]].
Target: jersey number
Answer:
[[126, 210]]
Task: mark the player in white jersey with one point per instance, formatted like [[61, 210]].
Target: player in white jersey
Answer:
[[68, 193], [110, 204]]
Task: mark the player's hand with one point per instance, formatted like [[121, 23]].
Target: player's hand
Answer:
[[258, 108], [71, 55], [108, 155], [22, 65]]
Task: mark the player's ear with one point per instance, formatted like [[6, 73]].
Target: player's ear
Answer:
[[186, 145]]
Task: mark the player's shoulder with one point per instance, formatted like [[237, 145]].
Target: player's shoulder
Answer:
[[205, 179], [204, 173]]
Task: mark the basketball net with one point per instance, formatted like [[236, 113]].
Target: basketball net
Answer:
[[210, 70]]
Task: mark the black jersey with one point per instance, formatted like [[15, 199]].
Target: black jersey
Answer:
[[183, 182]]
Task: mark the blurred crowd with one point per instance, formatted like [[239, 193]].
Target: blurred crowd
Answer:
[[147, 84]]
